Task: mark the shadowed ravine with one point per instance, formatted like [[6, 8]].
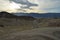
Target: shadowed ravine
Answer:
[[46, 33]]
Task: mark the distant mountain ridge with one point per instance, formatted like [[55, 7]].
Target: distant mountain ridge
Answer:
[[4, 14], [42, 15], [29, 15]]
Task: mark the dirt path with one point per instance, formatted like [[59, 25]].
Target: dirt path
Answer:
[[34, 34]]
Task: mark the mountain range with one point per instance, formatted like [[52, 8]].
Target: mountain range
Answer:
[[29, 15], [41, 15], [4, 14]]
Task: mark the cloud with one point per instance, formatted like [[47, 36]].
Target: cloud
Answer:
[[4, 4], [30, 5], [49, 5], [24, 2]]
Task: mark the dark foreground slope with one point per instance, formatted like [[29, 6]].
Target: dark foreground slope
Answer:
[[8, 19]]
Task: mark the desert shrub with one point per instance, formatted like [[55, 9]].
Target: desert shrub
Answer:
[[1, 25]]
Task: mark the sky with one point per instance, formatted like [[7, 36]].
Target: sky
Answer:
[[30, 6]]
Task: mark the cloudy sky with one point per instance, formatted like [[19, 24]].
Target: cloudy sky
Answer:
[[36, 6]]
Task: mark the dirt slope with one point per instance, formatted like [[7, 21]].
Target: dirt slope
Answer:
[[34, 34]]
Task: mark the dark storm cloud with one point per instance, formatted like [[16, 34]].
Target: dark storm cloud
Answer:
[[24, 2]]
